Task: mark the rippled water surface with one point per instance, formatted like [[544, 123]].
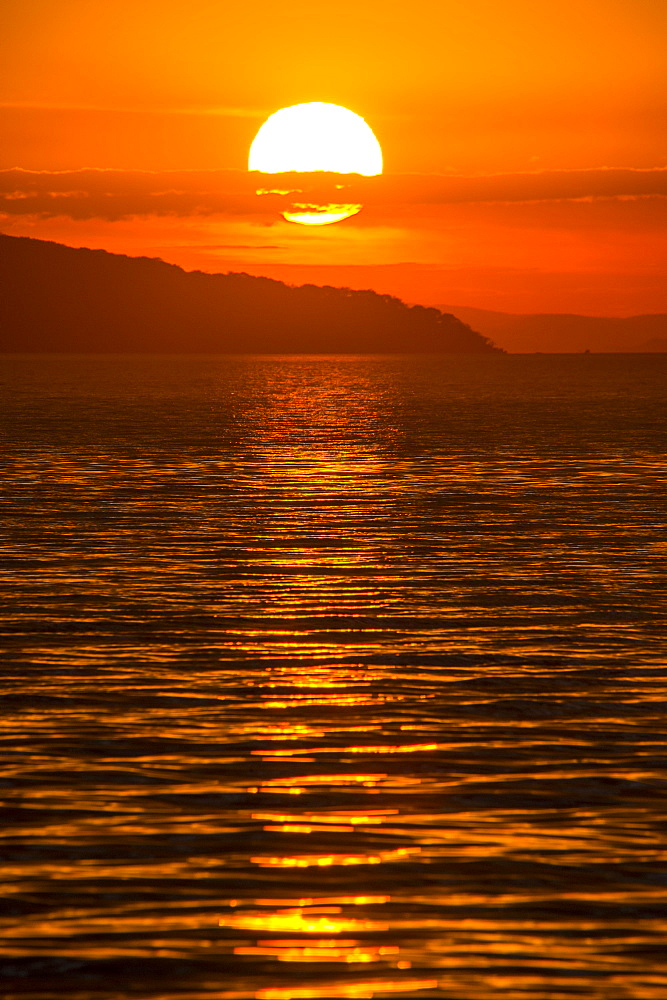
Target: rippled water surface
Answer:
[[333, 677]]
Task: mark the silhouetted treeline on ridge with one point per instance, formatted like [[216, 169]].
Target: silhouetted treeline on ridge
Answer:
[[59, 299]]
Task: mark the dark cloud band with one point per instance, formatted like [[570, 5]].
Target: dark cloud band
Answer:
[[116, 194]]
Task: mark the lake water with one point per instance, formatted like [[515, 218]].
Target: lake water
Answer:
[[334, 677]]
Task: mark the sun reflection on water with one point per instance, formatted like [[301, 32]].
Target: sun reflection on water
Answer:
[[333, 678]]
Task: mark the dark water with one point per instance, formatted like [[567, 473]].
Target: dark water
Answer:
[[334, 677]]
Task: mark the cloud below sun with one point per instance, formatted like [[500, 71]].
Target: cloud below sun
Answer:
[[116, 194]]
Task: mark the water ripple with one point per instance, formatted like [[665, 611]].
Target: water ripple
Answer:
[[333, 677]]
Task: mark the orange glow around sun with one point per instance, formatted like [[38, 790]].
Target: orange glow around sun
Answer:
[[522, 160]]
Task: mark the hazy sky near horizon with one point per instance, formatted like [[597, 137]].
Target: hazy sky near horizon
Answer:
[[524, 143]]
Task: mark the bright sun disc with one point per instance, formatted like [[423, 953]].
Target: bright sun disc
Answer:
[[316, 136]]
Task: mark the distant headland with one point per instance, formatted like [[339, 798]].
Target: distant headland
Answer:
[[59, 299], [561, 333]]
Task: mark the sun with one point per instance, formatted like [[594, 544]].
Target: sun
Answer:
[[316, 136]]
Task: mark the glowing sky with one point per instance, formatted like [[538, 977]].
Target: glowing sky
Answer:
[[523, 143]]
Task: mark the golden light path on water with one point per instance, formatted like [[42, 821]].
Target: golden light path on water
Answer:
[[330, 677]]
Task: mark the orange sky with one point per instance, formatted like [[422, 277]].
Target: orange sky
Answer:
[[523, 141]]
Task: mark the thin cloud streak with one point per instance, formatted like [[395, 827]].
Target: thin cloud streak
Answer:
[[118, 194], [208, 111]]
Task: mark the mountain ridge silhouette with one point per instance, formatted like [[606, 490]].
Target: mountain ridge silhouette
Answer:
[[553, 333], [60, 299]]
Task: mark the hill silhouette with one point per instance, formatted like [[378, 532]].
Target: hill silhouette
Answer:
[[60, 299], [554, 333]]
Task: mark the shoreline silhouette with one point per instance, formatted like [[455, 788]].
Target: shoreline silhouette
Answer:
[[66, 300]]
